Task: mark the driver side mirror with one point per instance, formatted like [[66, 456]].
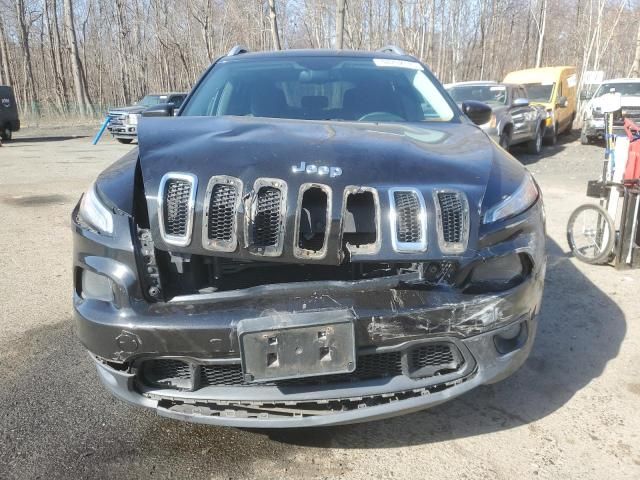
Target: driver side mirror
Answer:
[[562, 102], [478, 112], [160, 110]]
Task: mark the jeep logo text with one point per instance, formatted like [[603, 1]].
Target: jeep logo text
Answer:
[[320, 170]]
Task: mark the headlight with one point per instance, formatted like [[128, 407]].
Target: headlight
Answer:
[[133, 119], [524, 196], [493, 122], [94, 213]]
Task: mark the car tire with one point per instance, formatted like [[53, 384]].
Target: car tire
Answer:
[[505, 139], [534, 146], [126, 141], [6, 133], [584, 138], [553, 139]]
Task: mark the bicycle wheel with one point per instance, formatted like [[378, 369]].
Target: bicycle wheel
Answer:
[[591, 234]]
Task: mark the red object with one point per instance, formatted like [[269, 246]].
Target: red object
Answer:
[[632, 172]]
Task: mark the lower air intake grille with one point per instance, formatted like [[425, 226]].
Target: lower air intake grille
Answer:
[[168, 372], [452, 219], [421, 361], [266, 224]]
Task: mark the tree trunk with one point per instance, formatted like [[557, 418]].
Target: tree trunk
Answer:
[[4, 58], [30, 85], [275, 37], [340, 24], [635, 69], [541, 31], [76, 65]]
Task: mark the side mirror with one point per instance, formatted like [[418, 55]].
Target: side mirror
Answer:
[[478, 112], [520, 102], [586, 95], [160, 110], [562, 102]]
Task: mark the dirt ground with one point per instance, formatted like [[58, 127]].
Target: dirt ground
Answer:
[[570, 412]]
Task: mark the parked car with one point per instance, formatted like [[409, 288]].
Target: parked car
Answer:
[[123, 124], [593, 116], [317, 238], [9, 120], [555, 89], [514, 120]]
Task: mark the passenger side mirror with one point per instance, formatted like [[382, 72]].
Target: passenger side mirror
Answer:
[[160, 110], [586, 95], [520, 102], [478, 112], [562, 102]]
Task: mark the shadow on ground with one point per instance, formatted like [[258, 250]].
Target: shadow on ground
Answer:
[[45, 139], [520, 152]]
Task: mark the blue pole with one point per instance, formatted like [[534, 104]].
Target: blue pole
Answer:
[[102, 129]]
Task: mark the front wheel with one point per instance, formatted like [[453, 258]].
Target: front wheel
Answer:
[[584, 138], [553, 138], [505, 139], [591, 234], [126, 141], [6, 133], [534, 146]]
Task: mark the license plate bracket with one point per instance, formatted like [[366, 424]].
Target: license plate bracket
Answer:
[[283, 347]]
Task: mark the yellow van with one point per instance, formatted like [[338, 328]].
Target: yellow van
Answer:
[[555, 89]]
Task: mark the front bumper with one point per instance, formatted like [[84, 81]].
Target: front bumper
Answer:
[[277, 407], [594, 127], [203, 329]]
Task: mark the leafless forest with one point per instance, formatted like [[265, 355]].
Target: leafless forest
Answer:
[[76, 57]]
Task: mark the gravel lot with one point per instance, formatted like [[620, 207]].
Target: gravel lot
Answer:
[[570, 412]]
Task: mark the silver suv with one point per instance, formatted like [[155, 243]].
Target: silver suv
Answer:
[[123, 121], [514, 119]]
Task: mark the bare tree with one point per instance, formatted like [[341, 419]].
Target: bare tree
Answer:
[[275, 37], [340, 7], [82, 97]]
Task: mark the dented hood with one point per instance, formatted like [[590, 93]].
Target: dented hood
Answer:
[[424, 156]]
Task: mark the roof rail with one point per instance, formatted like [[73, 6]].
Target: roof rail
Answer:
[[391, 49], [237, 50]]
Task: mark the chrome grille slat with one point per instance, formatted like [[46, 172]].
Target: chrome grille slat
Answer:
[[408, 220], [221, 205], [452, 218], [176, 200]]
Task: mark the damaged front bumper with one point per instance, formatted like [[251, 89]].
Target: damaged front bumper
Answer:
[[414, 347], [284, 407]]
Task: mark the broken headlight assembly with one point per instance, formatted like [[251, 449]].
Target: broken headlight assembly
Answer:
[[523, 198], [94, 214]]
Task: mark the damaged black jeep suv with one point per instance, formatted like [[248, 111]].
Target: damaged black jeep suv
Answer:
[[317, 238]]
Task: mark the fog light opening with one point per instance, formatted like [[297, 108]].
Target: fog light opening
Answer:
[[96, 287], [511, 338]]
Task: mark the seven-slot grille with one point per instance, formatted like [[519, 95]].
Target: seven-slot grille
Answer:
[[264, 220], [408, 220], [268, 217], [452, 214]]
